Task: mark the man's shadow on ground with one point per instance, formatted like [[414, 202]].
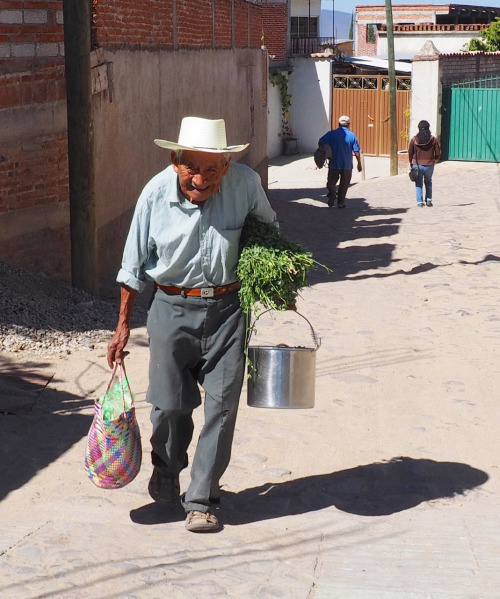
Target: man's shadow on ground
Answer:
[[378, 489]]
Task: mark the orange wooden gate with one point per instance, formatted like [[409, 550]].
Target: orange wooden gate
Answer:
[[366, 100]]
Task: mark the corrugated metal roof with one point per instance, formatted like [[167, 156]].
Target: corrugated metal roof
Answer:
[[379, 63]]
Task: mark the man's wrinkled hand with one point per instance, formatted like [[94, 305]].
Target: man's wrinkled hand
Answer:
[[116, 347]]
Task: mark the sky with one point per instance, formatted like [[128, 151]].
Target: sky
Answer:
[[349, 5]]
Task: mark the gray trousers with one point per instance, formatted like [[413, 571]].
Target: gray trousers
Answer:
[[195, 341]]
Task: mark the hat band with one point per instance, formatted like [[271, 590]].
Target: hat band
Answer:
[[209, 148]]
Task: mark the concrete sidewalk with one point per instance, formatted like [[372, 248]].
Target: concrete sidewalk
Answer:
[[387, 489]]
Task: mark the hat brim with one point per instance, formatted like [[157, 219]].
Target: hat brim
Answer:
[[170, 145]]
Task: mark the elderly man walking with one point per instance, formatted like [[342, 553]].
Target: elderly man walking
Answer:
[[344, 144], [184, 236]]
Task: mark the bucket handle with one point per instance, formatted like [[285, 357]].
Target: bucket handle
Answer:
[[315, 337]]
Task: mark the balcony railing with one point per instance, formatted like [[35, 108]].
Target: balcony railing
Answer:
[[303, 46]]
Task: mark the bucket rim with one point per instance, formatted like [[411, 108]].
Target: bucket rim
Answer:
[[282, 347]]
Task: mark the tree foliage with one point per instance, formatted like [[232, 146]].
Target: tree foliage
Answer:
[[490, 41]]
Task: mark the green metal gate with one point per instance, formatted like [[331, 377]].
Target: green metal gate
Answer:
[[471, 120]]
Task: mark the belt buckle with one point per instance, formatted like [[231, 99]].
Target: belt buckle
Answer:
[[207, 292]]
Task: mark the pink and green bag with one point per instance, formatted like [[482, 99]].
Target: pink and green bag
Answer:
[[113, 453]]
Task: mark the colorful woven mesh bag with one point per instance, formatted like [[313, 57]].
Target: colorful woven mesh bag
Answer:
[[113, 453]]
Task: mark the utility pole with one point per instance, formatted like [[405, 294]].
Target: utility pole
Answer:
[[333, 22], [76, 15], [393, 124], [309, 22]]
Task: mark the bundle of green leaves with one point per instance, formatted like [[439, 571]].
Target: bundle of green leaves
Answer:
[[272, 269]]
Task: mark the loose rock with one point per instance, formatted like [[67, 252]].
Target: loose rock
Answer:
[[42, 316]]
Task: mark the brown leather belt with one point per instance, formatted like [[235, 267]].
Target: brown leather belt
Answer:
[[200, 291]]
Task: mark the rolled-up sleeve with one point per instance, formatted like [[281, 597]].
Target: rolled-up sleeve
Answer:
[[261, 207], [137, 249]]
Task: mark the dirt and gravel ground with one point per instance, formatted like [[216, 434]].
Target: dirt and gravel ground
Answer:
[[42, 316]]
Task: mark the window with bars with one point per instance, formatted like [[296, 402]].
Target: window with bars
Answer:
[[304, 27]]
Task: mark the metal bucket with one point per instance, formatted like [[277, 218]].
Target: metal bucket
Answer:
[[281, 376]]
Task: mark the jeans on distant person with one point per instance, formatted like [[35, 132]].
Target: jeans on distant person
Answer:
[[424, 177]]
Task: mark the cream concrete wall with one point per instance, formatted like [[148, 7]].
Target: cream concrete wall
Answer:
[[310, 113], [408, 44], [149, 94], [426, 95], [310, 86], [274, 144]]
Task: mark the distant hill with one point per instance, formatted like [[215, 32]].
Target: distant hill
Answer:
[[342, 24]]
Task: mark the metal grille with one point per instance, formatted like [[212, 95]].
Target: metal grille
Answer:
[[367, 82]]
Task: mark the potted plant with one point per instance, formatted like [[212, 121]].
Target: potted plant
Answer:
[[328, 48]]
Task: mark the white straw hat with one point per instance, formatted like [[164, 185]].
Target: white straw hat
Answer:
[[201, 135]]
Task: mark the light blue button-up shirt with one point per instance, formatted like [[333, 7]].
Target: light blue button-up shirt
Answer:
[[174, 242]]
